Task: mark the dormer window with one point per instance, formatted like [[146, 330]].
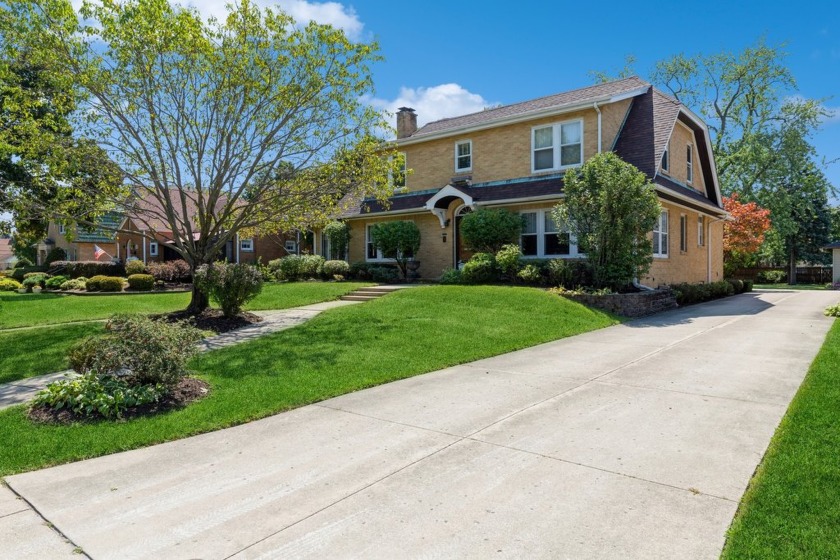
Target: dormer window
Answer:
[[557, 146], [463, 156], [689, 167], [665, 161]]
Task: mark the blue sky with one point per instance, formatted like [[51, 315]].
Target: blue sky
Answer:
[[450, 58]]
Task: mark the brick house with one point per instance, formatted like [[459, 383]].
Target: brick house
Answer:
[[514, 157], [144, 234]]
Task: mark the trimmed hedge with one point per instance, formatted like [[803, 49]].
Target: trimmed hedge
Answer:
[[698, 293], [331, 269], [170, 271], [141, 282], [9, 285], [19, 273], [135, 267], [104, 284], [74, 269]]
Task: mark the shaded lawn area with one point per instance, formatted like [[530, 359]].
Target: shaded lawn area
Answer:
[[25, 310], [792, 506], [346, 349], [31, 352], [789, 286]]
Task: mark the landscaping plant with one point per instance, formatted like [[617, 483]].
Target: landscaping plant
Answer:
[[611, 207], [135, 266], [398, 240], [487, 231], [92, 394], [338, 234], [9, 285], [480, 269], [104, 284], [509, 260], [331, 269], [141, 282], [230, 285]]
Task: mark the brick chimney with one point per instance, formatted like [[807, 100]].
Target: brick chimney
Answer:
[[406, 122]]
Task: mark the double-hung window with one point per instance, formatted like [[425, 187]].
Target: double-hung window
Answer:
[[153, 248], [557, 146], [463, 156], [689, 166], [246, 245], [542, 237], [660, 235], [374, 254]]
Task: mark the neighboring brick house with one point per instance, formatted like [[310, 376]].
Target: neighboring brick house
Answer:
[[515, 156], [7, 257], [142, 233]]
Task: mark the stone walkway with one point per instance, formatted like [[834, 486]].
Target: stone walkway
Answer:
[[18, 392]]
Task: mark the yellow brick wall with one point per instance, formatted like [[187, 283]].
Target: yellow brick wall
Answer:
[[690, 265], [680, 138], [504, 152]]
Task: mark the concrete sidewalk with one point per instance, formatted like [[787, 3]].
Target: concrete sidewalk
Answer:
[[18, 392], [636, 441]]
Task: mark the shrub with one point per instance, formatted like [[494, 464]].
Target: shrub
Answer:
[[359, 271], [568, 273], [310, 266], [74, 269], [55, 282], [23, 262], [20, 273], [737, 285], [479, 269], [230, 285], [297, 267], [748, 285], [75, 284], [141, 282], [94, 395], [9, 285], [487, 230], [509, 260], [832, 310], [135, 266], [530, 274], [450, 276], [330, 269], [55, 254], [104, 284], [399, 240], [170, 271], [771, 277], [384, 274], [687, 294], [34, 279], [143, 351]]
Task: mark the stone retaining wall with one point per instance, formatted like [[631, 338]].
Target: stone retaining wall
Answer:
[[631, 305]]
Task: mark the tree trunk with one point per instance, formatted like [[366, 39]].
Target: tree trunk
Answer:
[[792, 266], [198, 302]]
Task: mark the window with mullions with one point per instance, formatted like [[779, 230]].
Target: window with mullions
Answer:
[[463, 155], [557, 146], [541, 236], [660, 235]]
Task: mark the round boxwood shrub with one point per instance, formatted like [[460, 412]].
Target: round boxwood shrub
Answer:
[[79, 283], [55, 282], [23, 262], [479, 269], [331, 269], [104, 284], [141, 282], [135, 267]]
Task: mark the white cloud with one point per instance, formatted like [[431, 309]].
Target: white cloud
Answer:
[[333, 13], [435, 102]]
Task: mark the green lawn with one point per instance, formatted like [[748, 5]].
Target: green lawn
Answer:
[[789, 286], [792, 506], [24, 310], [345, 349], [31, 352]]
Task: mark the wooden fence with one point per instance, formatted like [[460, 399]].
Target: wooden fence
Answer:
[[804, 274]]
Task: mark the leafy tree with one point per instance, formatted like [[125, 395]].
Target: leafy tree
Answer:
[[397, 240], [600, 77], [611, 207], [743, 235], [487, 230], [249, 125], [338, 234]]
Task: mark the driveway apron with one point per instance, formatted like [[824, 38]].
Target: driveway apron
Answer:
[[635, 441]]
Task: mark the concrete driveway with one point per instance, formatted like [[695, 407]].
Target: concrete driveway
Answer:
[[636, 441]]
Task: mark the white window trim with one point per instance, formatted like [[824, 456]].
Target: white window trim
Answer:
[[62, 229], [689, 163], [541, 233], [701, 231], [463, 169], [683, 233], [290, 245], [246, 245], [557, 146], [666, 234], [153, 248]]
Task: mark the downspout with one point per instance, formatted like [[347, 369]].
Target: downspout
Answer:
[[598, 110], [144, 246], [237, 248]]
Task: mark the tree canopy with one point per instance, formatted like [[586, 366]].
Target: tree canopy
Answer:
[[247, 125]]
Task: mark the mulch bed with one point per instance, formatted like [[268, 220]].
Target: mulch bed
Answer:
[[187, 390], [212, 320]]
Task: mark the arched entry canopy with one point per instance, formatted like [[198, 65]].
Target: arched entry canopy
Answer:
[[438, 204]]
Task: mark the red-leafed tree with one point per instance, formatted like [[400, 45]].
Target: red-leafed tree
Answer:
[[744, 233]]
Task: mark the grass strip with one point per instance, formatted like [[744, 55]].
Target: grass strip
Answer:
[[32, 352], [791, 508], [342, 350]]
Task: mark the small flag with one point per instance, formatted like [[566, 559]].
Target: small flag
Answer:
[[98, 252]]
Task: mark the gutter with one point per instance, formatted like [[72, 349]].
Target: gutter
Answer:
[[598, 110]]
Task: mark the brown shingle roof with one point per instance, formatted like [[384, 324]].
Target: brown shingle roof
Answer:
[[645, 133], [557, 101], [5, 249]]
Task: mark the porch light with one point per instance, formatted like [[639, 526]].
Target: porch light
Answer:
[[443, 236]]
